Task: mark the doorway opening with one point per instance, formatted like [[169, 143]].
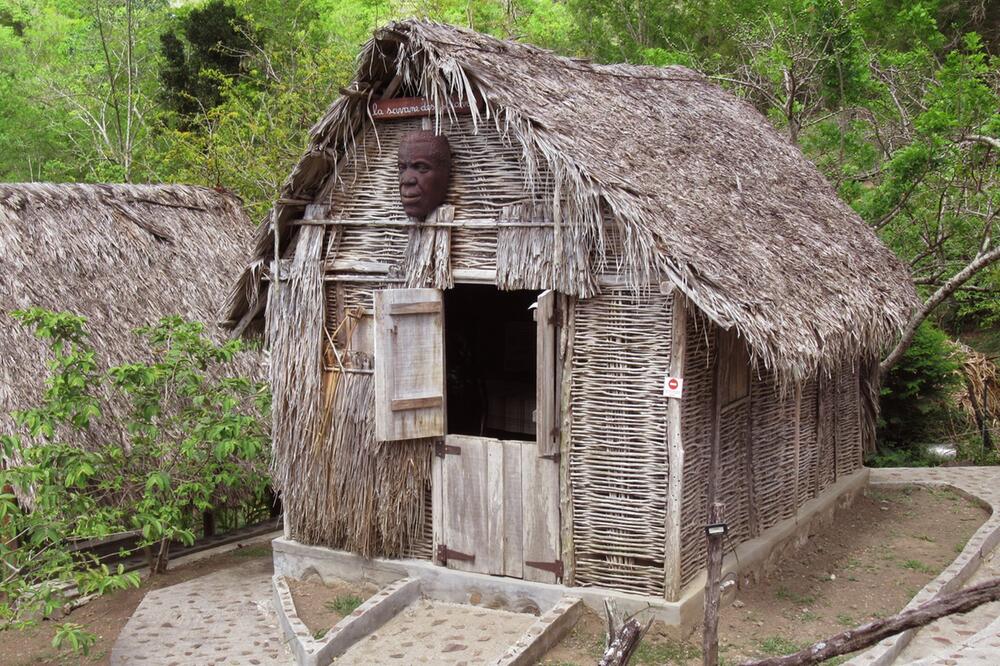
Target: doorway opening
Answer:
[[490, 339]]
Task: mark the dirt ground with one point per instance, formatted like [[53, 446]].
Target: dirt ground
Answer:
[[322, 605], [105, 616], [868, 564]]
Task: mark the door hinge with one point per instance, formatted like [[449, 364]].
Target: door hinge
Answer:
[[441, 449], [556, 567], [554, 457], [444, 554]]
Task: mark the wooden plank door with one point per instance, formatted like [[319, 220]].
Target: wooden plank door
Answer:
[[499, 508]]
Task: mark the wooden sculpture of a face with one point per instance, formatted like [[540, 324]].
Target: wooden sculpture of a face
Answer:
[[424, 172]]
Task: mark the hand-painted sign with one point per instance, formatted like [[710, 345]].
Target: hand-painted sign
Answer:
[[410, 107], [673, 387]]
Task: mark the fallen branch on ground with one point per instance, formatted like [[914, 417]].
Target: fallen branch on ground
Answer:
[[873, 632]]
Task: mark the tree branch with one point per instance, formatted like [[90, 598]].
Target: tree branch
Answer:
[[946, 290], [853, 640]]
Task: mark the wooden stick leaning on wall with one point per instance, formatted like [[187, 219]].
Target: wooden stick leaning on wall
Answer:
[[567, 306], [869, 634], [713, 587]]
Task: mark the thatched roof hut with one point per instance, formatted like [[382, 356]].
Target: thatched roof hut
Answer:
[[123, 256], [704, 189], [706, 314]]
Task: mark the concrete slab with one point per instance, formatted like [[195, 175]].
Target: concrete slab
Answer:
[[226, 617], [441, 634], [366, 618]]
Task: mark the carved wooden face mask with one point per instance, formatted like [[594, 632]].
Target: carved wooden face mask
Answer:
[[424, 172]]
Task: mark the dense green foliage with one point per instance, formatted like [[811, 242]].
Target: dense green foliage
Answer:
[[916, 395], [182, 436], [896, 101]]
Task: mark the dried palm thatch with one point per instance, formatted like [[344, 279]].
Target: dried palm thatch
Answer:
[[979, 397], [123, 256], [703, 190]]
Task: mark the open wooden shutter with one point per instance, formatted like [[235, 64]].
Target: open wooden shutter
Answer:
[[546, 389], [409, 364]]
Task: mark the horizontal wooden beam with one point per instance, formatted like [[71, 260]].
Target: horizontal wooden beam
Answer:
[[403, 404]]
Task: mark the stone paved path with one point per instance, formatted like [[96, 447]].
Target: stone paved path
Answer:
[[223, 618], [973, 638], [440, 634]]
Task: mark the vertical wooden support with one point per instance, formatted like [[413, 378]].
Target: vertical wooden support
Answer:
[[675, 455], [714, 453], [567, 307], [753, 516], [713, 589], [798, 442]]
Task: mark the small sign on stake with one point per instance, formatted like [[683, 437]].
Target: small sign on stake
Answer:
[[673, 387]]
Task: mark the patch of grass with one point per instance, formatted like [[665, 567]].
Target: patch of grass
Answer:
[[845, 620], [885, 553], [777, 645], [807, 616], [960, 546], [785, 594], [252, 551], [946, 493], [880, 495], [924, 537], [917, 565], [665, 652], [345, 604], [320, 633]]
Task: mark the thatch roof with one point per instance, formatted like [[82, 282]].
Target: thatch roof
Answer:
[[708, 193], [123, 256]]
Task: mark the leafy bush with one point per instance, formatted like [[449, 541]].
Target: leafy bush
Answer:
[[915, 399], [187, 438]]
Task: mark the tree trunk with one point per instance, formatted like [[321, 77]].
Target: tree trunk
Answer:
[[946, 290], [158, 563]]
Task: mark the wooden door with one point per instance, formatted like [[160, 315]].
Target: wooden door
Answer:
[[409, 364], [497, 508]]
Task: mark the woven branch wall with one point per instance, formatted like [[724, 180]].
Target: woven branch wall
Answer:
[[808, 442], [789, 461], [848, 407], [618, 460], [488, 188], [696, 438], [486, 176], [773, 440]]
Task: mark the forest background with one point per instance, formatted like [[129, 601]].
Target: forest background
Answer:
[[896, 101]]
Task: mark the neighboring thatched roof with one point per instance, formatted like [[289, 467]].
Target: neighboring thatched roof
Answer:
[[709, 194], [123, 256]]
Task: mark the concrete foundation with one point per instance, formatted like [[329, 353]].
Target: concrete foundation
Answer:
[[753, 559]]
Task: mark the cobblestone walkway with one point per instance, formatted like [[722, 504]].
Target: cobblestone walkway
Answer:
[[973, 638], [223, 618], [440, 634]]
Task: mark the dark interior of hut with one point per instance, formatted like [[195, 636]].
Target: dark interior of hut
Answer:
[[490, 354]]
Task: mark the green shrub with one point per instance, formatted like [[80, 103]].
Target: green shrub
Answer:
[[916, 399], [186, 437]]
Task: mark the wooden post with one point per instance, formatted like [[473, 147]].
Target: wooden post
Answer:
[[713, 589], [675, 456], [567, 307]]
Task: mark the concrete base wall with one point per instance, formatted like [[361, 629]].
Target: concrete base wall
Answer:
[[753, 560]]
